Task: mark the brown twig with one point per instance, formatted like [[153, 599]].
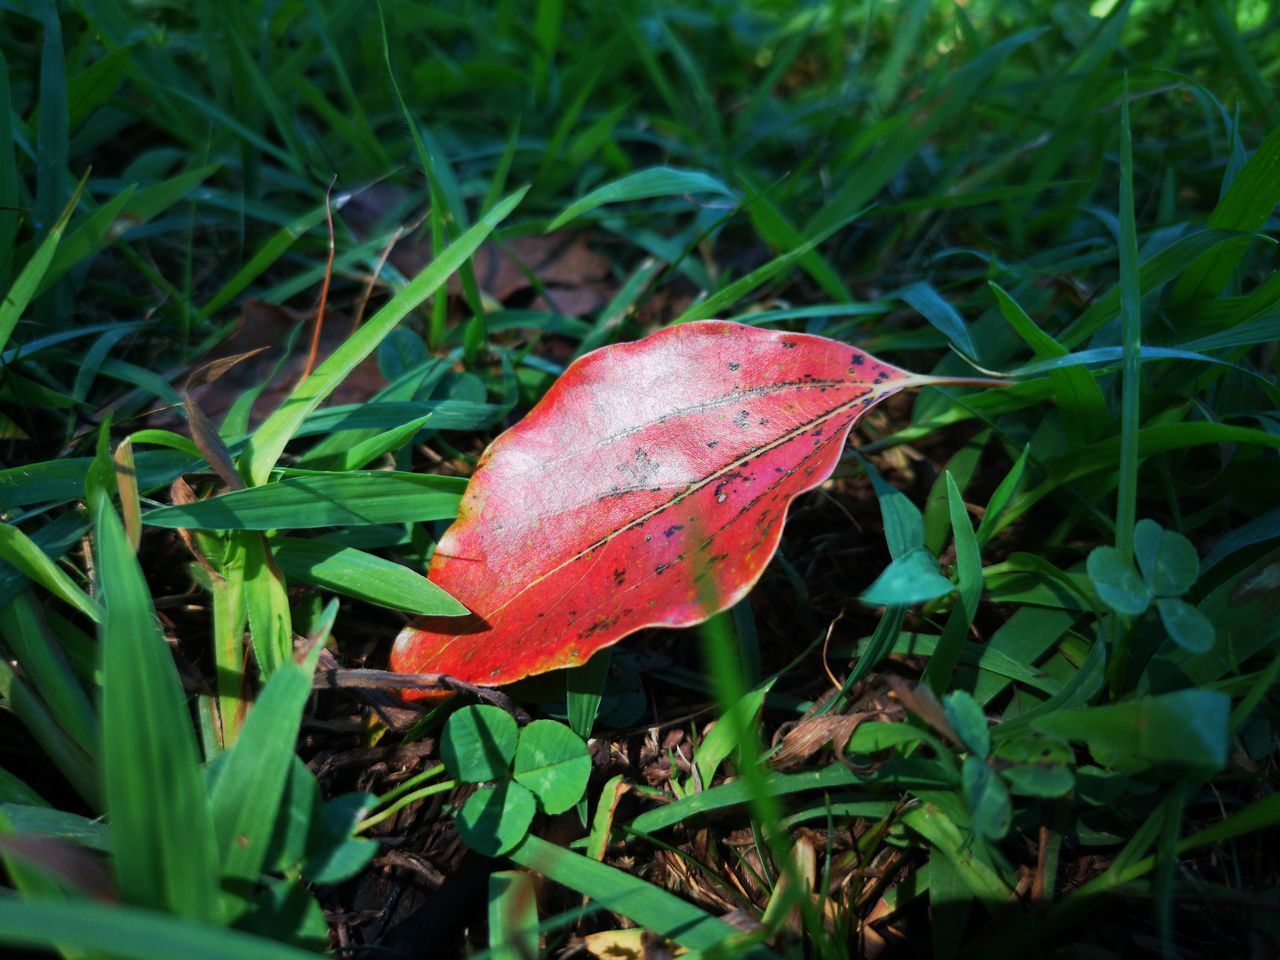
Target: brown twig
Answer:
[[324, 289]]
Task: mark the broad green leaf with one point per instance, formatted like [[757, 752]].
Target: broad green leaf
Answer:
[[161, 830], [364, 576], [1117, 583], [1036, 766], [333, 852], [1187, 728], [1187, 627], [969, 721], [988, 797], [320, 500], [968, 854], [911, 578], [1167, 559], [496, 818], [1241, 610], [479, 743], [641, 185], [553, 762]]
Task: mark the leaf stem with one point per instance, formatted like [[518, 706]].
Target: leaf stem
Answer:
[[414, 797], [1131, 334]]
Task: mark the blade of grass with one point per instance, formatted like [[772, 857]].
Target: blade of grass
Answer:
[[269, 440], [27, 284], [364, 576], [30, 643], [251, 780], [8, 178], [648, 905], [643, 185], [161, 832], [127, 931], [320, 500], [17, 549]]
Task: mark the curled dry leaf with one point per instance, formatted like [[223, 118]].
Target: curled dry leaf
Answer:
[[647, 488], [811, 734]]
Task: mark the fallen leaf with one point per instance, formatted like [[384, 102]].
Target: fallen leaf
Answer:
[[647, 488]]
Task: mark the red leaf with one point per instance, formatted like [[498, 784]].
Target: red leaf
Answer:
[[647, 488]]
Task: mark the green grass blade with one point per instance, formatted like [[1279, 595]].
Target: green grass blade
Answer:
[[364, 576], [969, 578], [28, 282], [271, 251], [25, 555], [28, 640], [161, 832], [251, 781], [269, 440], [1245, 206], [8, 177], [320, 500], [648, 905], [513, 916], [126, 931], [53, 152], [266, 600], [643, 185], [863, 183]]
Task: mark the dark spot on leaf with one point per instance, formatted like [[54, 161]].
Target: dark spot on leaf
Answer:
[[733, 366], [788, 345], [619, 576], [661, 568], [671, 530], [858, 360], [713, 443]]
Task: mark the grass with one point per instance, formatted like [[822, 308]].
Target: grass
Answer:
[[1058, 755]]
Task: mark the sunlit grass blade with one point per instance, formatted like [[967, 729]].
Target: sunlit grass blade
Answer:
[[269, 440], [27, 283], [320, 500], [162, 838], [251, 779], [364, 576], [24, 555]]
